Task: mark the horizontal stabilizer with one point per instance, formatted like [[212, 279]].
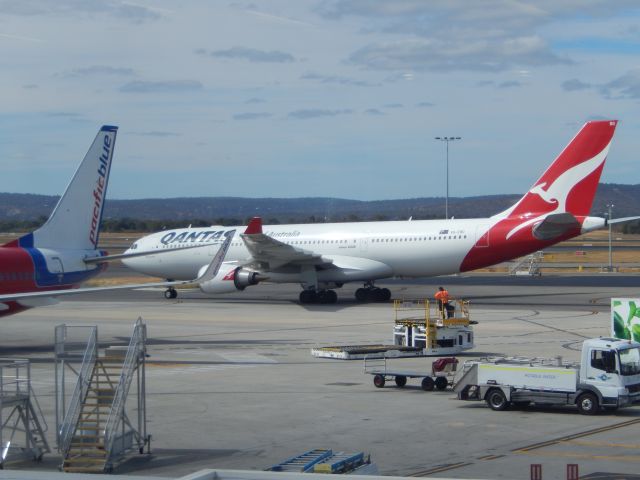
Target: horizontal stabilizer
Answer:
[[555, 225], [613, 221]]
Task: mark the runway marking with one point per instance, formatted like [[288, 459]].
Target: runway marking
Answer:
[[574, 436], [587, 456], [444, 468], [603, 444], [490, 457]]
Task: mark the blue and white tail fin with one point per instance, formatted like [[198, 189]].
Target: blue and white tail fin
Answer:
[[75, 222]]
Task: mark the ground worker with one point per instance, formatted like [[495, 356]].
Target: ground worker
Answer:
[[442, 297]]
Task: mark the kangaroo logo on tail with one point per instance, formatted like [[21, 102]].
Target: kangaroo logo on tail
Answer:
[[558, 192]]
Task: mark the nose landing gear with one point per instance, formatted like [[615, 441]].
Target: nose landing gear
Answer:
[[170, 293]]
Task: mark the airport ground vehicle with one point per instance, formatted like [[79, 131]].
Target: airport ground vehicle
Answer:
[[421, 329], [443, 371], [608, 376]]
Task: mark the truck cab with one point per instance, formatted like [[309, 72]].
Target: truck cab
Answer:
[[610, 369]]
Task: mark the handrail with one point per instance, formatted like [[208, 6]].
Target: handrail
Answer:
[[80, 392], [134, 351], [38, 409]]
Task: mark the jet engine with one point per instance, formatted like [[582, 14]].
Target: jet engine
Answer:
[[227, 281]]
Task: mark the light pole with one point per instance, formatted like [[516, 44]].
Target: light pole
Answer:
[[610, 207], [447, 140]]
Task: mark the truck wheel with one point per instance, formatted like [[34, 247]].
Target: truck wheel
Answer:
[[587, 404], [378, 381], [441, 383], [401, 380], [427, 384], [497, 400]]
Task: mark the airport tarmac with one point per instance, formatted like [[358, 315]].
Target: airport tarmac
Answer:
[[231, 382]]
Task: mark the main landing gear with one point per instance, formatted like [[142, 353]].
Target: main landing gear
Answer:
[[170, 293], [373, 294], [320, 296]]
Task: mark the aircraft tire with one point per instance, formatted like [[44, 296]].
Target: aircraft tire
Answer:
[[308, 296], [427, 384], [441, 383], [170, 293], [328, 297], [362, 295]]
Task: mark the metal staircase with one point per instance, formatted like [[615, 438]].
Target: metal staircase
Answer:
[[24, 417], [96, 430], [528, 265]]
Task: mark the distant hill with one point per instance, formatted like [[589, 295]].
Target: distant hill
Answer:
[[27, 207]]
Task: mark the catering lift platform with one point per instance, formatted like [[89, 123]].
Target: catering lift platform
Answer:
[[421, 329]]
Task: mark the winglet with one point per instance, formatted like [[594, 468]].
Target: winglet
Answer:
[[254, 227], [218, 259]]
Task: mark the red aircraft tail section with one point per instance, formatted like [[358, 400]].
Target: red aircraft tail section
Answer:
[[554, 208], [569, 184]]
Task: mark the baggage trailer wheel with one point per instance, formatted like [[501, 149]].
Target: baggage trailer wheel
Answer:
[[378, 381], [441, 383], [427, 384], [497, 400], [587, 404], [401, 381]]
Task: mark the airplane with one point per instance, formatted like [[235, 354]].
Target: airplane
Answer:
[[323, 257], [39, 267]]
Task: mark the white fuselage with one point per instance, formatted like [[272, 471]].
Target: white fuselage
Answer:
[[367, 250]]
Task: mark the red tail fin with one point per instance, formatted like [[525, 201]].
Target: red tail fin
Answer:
[[569, 184]]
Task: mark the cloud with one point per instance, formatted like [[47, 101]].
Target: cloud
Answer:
[[29, 86], [373, 111], [255, 100], [457, 35], [437, 55], [116, 8], [171, 86], [625, 87], [306, 114], [425, 104], [99, 70], [251, 115], [336, 79], [574, 84], [155, 133], [393, 105], [510, 84], [249, 54]]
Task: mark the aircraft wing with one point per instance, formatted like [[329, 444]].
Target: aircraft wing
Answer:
[[120, 256], [269, 254], [208, 274]]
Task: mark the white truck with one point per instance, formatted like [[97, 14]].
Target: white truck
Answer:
[[608, 376]]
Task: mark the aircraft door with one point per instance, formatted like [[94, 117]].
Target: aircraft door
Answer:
[[482, 235], [56, 267], [364, 245]]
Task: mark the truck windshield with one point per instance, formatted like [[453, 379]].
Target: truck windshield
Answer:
[[630, 361]]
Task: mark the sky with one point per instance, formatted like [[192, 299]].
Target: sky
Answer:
[[313, 98]]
